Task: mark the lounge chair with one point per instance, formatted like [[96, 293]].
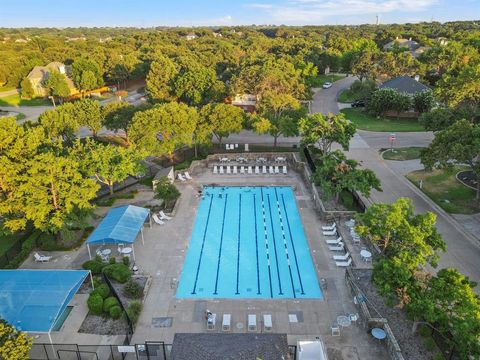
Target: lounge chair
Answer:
[[157, 220], [257, 170], [334, 242], [277, 170], [252, 322], [187, 176], [242, 169], [163, 216], [215, 169], [344, 263], [270, 170], [180, 177], [335, 330], [221, 170], [330, 233], [341, 257], [267, 322], [41, 258], [226, 322], [234, 169], [228, 169], [264, 169], [338, 247], [211, 320], [285, 170], [329, 227], [250, 170]]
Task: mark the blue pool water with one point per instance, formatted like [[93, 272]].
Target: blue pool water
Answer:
[[248, 242]]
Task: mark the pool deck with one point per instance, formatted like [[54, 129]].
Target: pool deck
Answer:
[[162, 257]]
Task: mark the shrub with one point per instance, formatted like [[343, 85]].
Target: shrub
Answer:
[[126, 261], [112, 260], [95, 303], [47, 242], [115, 312], [166, 191], [108, 303], [117, 272], [132, 289], [102, 290], [134, 310], [429, 343], [27, 246], [94, 266], [438, 356]]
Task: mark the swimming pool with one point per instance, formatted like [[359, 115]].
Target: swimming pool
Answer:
[[248, 242]]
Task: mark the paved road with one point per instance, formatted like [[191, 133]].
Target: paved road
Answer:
[[325, 100], [31, 112]]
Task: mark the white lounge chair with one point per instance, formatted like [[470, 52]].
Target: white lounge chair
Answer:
[[264, 169], [211, 320], [257, 170], [242, 170], [335, 330], [180, 177], [226, 322], [267, 322], [221, 170], [339, 247], [329, 227], [277, 170], [270, 170], [334, 242], [250, 170], [157, 220], [163, 216], [341, 257], [187, 176], [252, 322], [234, 169], [41, 258], [228, 169], [215, 169], [344, 263], [285, 170], [330, 233]]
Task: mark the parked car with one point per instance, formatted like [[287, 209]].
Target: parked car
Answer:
[[358, 103], [327, 85]]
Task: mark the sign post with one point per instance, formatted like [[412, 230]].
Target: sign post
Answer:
[[392, 139]]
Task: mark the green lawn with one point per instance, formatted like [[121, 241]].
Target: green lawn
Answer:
[[401, 154], [348, 96], [15, 100], [365, 121], [442, 187]]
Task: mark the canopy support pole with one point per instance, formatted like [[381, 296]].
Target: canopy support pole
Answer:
[[133, 252], [150, 218], [143, 239], [91, 279], [89, 254]]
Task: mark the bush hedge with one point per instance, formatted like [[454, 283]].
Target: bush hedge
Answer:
[[27, 246], [95, 303], [118, 272], [132, 289], [109, 302], [102, 290], [47, 242], [94, 266], [115, 312], [134, 310]]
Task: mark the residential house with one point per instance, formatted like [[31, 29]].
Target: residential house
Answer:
[[409, 45], [191, 36], [246, 102], [39, 74], [405, 84]]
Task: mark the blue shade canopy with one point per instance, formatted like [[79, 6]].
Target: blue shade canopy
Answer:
[[121, 225], [32, 300]]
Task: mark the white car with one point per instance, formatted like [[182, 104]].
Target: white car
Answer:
[[327, 85]]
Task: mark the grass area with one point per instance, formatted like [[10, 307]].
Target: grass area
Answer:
[[402, 154], [319, 80], [442, 187], [365, 121], [15, 100], [349, 96]]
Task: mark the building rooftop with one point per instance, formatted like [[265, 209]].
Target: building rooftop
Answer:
[[404, 84]]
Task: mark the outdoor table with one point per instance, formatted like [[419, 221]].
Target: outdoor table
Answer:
[[104, 252], [344, 321], [126, 251], [378, 333], [241, 159], [262, 160], [280, 159], [224, 159], [365, 254]]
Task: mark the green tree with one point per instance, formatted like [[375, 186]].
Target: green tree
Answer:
[[89, 114], [160, 78], [401, 103], [461, 87], [384, 100], [423, 101], [60, 122], [163, 128], [14, 345], [118, 116], [459, 142], [27, 89], [57, 86], [335, 173], [166, 191], [198, 86], [324, 130], [86, 74], [222, 119], [441, 118]]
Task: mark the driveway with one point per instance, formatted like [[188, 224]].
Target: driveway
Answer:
[[31, 112], [325, 100]]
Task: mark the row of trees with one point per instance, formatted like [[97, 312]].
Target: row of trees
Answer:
[[409, 243], [384, 100]]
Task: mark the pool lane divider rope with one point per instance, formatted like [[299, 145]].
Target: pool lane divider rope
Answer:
[[256, 243], [293, 245], [194, 291], [285, 244], [238, 240], [274, 245], [221, 243], [266, 244]]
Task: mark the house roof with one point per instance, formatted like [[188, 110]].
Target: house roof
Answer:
[[409, 43], [229, 346], [41, 71], [404, 84]]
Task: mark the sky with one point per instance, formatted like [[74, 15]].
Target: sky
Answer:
[[147, 13]]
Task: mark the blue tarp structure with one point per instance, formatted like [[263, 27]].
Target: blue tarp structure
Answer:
[[32, 300]]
